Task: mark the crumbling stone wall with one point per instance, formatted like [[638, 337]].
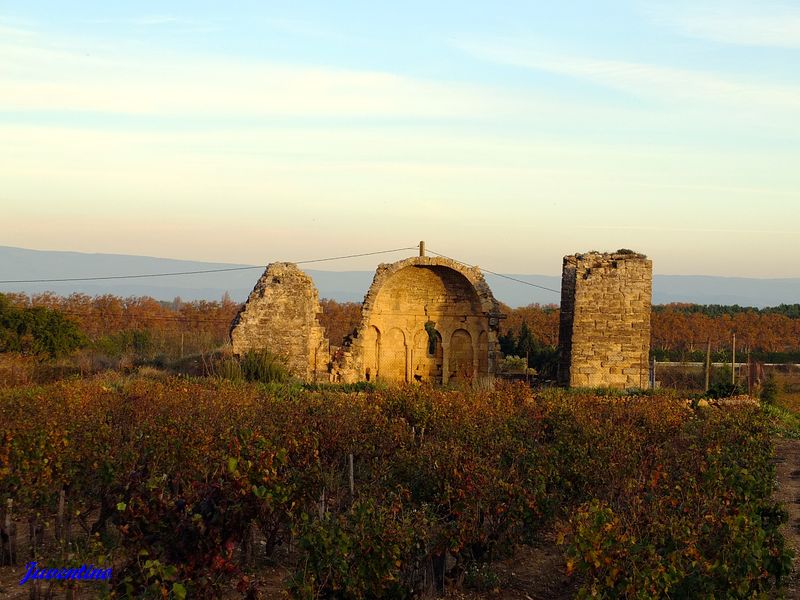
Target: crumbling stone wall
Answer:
[[604, 333], [424, 319], [432, 319], [280, 315]]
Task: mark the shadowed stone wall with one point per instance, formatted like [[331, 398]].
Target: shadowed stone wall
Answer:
[[281, 316], [604, 333]]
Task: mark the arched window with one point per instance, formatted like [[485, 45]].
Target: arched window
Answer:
[[430, 328]]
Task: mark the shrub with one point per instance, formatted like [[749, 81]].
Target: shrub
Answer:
[[515, 364], [371, 550], [264, 367], [724, 390], [37, 330], [769, 390], [256, 366], [137, 342], [229, 368]]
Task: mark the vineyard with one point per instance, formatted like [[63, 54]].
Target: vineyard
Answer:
[[188, 487]]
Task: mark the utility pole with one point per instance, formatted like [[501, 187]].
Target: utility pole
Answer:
[[527, 371], [708, 365], [749, 374], [422, 248], [733, 361]]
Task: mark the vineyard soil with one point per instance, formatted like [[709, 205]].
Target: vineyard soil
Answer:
[[534, 573], [787, 458]]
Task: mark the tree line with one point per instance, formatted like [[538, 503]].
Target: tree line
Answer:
[[51, 324], [716, 310], [678, 332]]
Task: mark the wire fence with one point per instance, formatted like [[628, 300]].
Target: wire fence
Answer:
[[691, 376]]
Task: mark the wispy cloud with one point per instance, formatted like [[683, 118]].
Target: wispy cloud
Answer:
[[660, 83], [14, 31], [743, 23], [687, 229], [40, 74], [160, 21], [305, 29], [15, 28]]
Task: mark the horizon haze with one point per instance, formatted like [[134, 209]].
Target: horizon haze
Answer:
[[342, 286]]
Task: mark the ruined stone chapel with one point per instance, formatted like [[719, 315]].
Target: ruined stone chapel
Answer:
[[433, 319]]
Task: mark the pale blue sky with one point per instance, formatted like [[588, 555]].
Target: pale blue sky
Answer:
[[507, 134]]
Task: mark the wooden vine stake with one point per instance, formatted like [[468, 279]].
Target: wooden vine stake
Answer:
[[249, 545], [60, 516], [32, 531], [9, 552], [350, 472]]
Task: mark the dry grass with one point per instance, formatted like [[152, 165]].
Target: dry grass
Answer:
[[789, 390], [16, 369]]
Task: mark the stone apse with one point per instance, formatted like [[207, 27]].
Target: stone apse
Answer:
[[424, 319], [435, 320]]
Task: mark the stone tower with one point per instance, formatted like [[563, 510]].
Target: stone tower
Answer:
[[604, 334]]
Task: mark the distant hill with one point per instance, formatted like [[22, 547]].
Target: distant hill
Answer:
[[344, 286]]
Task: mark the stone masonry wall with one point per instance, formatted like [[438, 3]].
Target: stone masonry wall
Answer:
[[604, 333], [424, 319], [280, 315]]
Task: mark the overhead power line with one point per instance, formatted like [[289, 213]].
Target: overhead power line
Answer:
[[497, 274], [172, 274], [304, 262], [103, 277], [229, 269], [138, 317]]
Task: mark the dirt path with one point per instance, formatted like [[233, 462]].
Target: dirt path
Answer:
[[534, 573], [787, 462]]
